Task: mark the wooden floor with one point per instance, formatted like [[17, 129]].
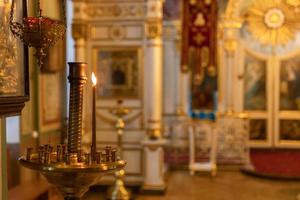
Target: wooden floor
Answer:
[[229, 185]]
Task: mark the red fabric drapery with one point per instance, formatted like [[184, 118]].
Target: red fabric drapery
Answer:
[[199, 50]]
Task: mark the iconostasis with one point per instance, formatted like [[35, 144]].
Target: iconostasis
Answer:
[[122, 43], [261, 50]]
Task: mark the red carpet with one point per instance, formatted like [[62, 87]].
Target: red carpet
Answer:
[[281, 163]]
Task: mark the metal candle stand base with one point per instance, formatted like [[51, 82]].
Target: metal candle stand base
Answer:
[[118, 191], [72, 177], [66, 166]]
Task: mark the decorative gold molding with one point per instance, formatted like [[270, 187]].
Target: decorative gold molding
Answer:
[[116, 10], [117, 32], [239, 115], [113, 121], [79, 30]]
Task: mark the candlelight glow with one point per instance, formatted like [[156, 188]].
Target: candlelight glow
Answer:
[[94, 79]]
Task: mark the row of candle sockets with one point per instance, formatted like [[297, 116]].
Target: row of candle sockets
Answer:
[[47, 155]]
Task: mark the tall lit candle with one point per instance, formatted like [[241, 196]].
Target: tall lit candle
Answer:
[[93, 147]]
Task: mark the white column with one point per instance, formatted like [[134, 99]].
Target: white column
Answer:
[[171, 66], [229, 82], [79, 33], [183, 94], [154, 67], [80, 49], [186, 88], [79, 30], [231, 31], [153, 144], [154, 83]]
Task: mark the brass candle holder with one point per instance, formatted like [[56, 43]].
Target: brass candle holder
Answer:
[[66, 166], [118, 191]]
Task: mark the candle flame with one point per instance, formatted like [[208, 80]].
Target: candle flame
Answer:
[[94, 79]]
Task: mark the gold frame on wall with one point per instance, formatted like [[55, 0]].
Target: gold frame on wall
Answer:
[[14, 72], [130, 85], [257, 114], [285, 114]]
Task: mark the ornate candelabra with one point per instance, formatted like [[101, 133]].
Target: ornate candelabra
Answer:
[[118, 191], [38, 32], [67, 167]]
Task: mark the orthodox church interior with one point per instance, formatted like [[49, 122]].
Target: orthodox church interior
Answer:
[[150, 99]]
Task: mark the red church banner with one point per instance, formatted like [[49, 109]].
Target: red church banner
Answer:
[[199, 50]]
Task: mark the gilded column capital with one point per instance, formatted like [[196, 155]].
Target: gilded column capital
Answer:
[[154, 133], [231, 29], [230, 46], [154, 29], [79, 30]]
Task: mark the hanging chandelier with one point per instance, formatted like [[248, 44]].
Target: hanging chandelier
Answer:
[[39, 32]]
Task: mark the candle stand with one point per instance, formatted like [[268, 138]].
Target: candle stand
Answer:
[[66, 166], [118, 191]]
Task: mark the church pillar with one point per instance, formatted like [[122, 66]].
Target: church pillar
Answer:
[[79, 30], [79, 35], [183, 95], [153, 143], [171, 66], [232, 126], [154, 68], [230, 46]]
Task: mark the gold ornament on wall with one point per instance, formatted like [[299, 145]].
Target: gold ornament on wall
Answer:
[[295, 3], [272, 22]]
